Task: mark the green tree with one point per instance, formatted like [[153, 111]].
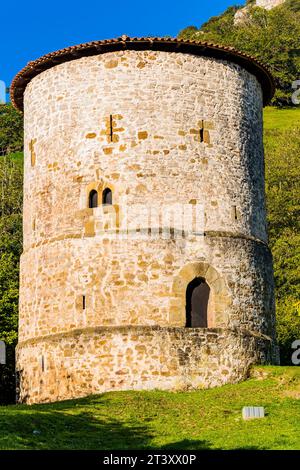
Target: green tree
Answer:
[[11, 189], [283, 203], [272, 36], [11, 130]]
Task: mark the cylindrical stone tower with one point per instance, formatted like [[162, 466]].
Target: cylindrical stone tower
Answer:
[[145, 260]]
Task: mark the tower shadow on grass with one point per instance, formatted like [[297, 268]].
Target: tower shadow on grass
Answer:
[[59, 430], [81, 426], [41, 428]]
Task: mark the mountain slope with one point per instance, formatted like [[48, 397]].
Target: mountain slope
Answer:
[[273, 36], [282, 144]]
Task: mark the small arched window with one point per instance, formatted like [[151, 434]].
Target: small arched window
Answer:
[[107, 196], [93, 199]]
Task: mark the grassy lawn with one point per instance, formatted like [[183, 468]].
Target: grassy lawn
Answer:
[[281, 119], [202, 419]]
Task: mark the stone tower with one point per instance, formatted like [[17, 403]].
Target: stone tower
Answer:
[[111, 298]]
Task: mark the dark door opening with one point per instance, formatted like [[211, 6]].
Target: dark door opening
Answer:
[[197, 296]]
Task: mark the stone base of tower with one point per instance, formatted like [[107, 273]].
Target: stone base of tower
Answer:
[[96, 360]]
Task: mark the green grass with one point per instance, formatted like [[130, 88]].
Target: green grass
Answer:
[[202, 419], [16, 157], [281, 119]]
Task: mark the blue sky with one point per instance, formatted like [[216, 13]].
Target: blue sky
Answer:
[[33, 28]]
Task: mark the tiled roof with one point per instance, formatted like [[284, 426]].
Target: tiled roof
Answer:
[[47, 61]]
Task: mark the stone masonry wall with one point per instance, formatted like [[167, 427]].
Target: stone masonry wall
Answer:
[[139, 282], [139, 358], [159, 129], [158, 101]]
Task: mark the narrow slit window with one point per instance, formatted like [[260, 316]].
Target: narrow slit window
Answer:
[[83, 302], [234, 213], [32, 152], [201, 134], [43, 364], [93, 199], [111, 132], [107, 196]]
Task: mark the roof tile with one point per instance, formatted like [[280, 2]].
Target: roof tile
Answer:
[[168, 44]]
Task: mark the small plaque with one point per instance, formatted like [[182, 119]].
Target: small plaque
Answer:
[[253, 412]]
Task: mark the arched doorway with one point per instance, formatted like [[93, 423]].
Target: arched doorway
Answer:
[[220, 299], [197, 297]]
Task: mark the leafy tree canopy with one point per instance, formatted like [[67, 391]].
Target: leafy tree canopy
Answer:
[[272, 36], [11, 130]]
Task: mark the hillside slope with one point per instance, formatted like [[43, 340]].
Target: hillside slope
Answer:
[[273, 36], [203, 419], [282, 152]]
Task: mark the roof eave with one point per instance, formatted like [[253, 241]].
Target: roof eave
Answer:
[[48, 61]]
